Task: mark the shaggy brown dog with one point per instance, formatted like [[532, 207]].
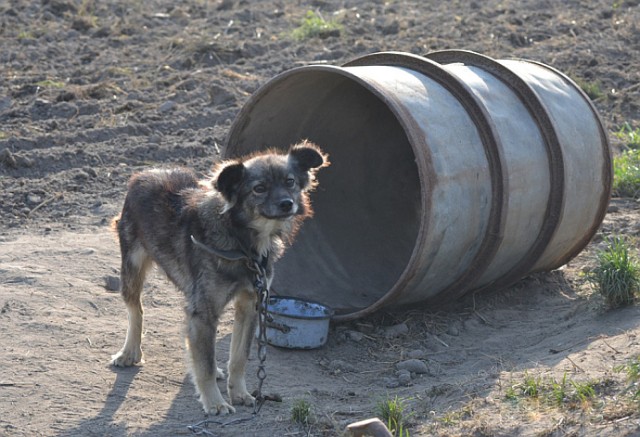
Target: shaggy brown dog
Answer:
[[201, 234]]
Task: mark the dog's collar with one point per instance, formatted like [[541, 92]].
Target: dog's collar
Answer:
[[229, 255], [232, 255]]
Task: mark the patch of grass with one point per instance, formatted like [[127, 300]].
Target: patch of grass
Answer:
[[629, 135], [626, 174], [565, 393], [50, 83], [617, 275], [301, 412], [314, 25], [559, 392], [633, 369], [591, 89], [452, 418], [392, 412], [531, 386], [25, 34], [511, 393], [583, 391]]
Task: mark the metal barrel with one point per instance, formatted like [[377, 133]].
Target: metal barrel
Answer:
[[450, 173]]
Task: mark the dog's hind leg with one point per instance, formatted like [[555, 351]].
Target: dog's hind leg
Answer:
[[244, 328], [201, 336], [135, 263]]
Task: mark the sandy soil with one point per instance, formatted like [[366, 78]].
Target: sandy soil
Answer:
[[91, 92]]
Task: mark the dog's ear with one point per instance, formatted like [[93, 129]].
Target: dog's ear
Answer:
[[229, 180], [307, 155]]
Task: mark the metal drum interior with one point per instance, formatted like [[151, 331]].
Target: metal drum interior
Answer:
[[367, 206]]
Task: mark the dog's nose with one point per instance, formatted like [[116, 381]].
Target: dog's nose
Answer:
[[286, 205]]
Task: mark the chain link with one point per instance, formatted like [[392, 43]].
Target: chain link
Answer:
[[262, 290]]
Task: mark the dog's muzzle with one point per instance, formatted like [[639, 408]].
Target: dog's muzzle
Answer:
[[281, 209]]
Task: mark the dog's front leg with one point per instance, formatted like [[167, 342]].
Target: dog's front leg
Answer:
[[201, 338], [244, 328]]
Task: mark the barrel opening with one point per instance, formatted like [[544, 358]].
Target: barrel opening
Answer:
[[368, 205]]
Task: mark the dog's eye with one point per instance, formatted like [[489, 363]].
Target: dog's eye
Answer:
[[290, 182], [260, 189]]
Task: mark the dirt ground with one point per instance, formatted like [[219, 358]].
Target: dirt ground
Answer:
[[91, 92]]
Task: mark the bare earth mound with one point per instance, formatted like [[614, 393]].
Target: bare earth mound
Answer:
[[91, 92]]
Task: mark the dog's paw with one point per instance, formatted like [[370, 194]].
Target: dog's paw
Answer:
[[126, 358], [219, 409], [241, 398]]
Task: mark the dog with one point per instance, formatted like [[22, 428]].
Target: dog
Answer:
[[202, 233]]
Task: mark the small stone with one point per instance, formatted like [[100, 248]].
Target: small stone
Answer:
[[404, 377], [354, 335], [112, 283], [391, 28], [413, 366], [33, 199], [416, 354], [220, 95], [396, 330], [613, 208], [167, 106], [80, 175], [453, 330]]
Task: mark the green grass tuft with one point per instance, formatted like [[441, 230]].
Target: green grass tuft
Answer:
[[49, 83], [392, 412], [626, 174], [633, 369], [591, 89], [629, 135], [617, 275], [301, 412], [559, 391], [584, 391], [314, 25], [562, 394]]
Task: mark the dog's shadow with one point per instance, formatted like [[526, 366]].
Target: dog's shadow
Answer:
[[185, 410], [103, 423]]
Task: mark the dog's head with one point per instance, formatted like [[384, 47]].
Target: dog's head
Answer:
[[270, 186]]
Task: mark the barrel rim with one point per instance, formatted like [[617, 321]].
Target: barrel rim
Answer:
[[409, 126], [607, 170], [493, 148]]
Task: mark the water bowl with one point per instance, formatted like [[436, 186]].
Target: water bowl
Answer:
[[297, 323]]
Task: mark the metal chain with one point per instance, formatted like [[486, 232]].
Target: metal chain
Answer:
[[262, 290]]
